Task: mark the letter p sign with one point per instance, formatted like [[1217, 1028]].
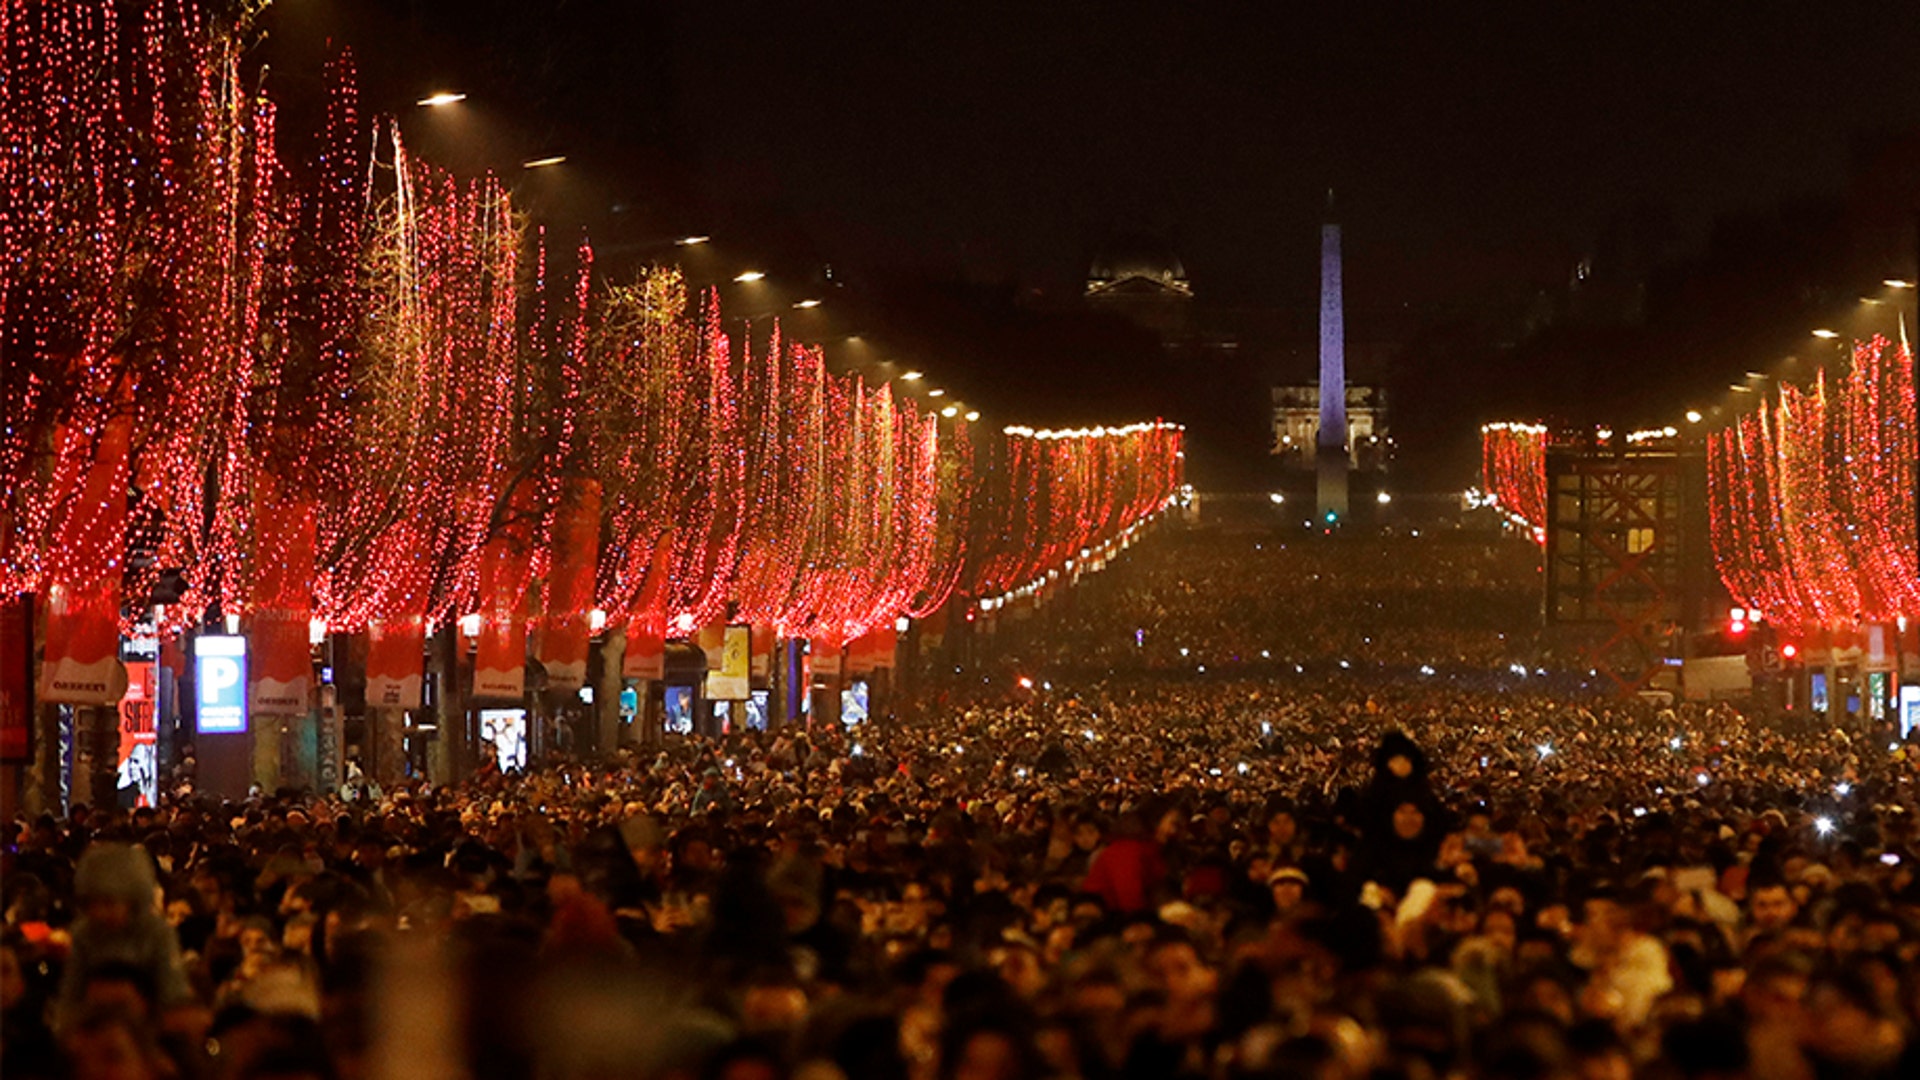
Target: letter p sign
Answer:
[[220, 675]]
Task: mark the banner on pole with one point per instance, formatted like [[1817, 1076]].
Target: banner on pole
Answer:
[[16, 677], [765, 641], [280, 625], [395, 662], [82, 661], [565, 629], [824, 657], [500, 663], [646, 656]]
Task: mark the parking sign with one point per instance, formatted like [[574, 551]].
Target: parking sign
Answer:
[[220, 683]]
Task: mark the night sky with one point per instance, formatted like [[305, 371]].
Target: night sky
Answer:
[[1476, 150]]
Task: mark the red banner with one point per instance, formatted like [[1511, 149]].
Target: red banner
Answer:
[[500, 666], [565, 631], [16, 675], [765, 641], [395, 662], [280, 637], [646, 656], [82, 662], [824, 657]]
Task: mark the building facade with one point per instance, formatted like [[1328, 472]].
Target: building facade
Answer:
[[1296, 426]]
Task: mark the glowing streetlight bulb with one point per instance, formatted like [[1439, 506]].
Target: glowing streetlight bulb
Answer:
[[746, 277], [912, 376], [444, 97], [543, 162], [805, 304], [1693, 416], [1825, 335], [690, 241]]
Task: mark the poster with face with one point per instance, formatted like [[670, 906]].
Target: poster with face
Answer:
[[139, 760]]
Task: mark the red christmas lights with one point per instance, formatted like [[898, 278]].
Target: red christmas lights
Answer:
[[354, 334], [1513, 469], [1811, 497]]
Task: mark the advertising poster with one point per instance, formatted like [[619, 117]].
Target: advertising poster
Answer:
[[139, 762], [731, 682], [506, 731], [679, 708]]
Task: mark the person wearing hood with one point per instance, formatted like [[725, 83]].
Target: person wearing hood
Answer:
[[1400, 775], [120, 928], [1407, 851]]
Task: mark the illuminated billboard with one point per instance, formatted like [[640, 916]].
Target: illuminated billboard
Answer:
[[220, 683]]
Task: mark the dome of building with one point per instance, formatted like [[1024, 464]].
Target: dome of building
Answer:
[[1137, 255]]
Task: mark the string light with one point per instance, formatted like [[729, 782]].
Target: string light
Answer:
[[1513, 468], [1810, 498], [368, 358]]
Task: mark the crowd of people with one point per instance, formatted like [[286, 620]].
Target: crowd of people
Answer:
[[1219, 598], [1053, 869]]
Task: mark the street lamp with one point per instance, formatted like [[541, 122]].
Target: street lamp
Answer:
[[806, 304], [544, 162], [1896, 283], [444, 97], [1825, 335], [749, 276], [1693, 416], [912, 376], [689, 241]]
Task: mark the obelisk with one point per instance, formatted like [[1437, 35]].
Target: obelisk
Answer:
[[1330, 453]]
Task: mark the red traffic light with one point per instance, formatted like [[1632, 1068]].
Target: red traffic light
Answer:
[[1789, 650], [1736, 627]]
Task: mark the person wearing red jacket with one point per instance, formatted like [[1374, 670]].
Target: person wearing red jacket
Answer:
[[1127, 874]]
